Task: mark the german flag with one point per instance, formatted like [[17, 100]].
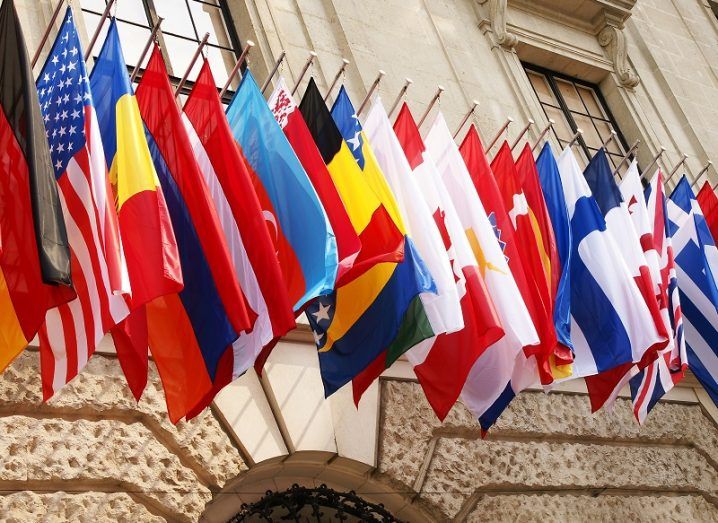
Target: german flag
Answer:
[[34, 275]]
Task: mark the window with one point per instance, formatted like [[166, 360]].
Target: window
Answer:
[[185, 23], [575, 104]]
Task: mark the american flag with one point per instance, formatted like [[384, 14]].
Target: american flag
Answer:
[[72, 331]]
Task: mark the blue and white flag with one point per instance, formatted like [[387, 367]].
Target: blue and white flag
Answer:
[[696, 268], [610, 321]]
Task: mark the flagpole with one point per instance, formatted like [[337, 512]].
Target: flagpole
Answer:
[[522, 133], [46, 34], [151, 39], [474, 105], [653, 161], [340, 72], [633, 148], [701, 172], [440, 89], [610, 138], [546, 129], [402, 92], [181, 83], [498, 134], [678, 165], [575, 137], [274, 70], [371, 90], [237, 66], [96, 34], [309, 62]]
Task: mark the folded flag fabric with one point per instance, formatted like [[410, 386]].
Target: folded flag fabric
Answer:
[[146, 235], [610, 321], [295, 128], [442, 308], [651, 383], [72, 331], [35, 266], [708, 201], [696, 270], [377, 315], [502, 369], [551, 188], [536, 266], [188, 332], [228, 178], [303, 237], [599, 175]]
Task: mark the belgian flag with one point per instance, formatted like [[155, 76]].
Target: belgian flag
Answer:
[[35, 258]]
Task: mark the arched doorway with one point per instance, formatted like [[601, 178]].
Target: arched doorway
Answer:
[[307, 504]]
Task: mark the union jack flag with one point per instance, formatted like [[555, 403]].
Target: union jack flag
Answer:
[[72, 331]]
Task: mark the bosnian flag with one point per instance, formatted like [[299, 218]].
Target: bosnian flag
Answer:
[[696, 270], [610, 322], [651, 383], [619, 226], [502, 370]]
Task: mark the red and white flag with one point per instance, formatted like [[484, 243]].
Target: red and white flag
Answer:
[[72, 331]]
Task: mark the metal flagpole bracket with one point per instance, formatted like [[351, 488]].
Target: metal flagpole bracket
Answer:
[[183, 81], [653, 162], [46, 34], [236, 68], [522, 133], [402, 92], [499, 133], [610, 138], [340, 72], [678, 165], [307, 65], [440, 89], [474, 105], [575, 137], [96, 34], [151, 39], [551, 123], [279, 61], [630, 151], [371, 90]]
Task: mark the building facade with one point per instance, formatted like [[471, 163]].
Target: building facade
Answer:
[[646, 69]]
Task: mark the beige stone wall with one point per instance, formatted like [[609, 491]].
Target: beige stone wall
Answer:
[[92, 453]]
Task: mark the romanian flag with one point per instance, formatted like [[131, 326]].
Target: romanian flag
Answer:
[[303, 236], [150, 248], [188, 332], [295, 128], [34, 249], [379, 314], [228, 177]]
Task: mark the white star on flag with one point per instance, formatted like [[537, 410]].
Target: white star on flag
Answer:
[[322, 313]]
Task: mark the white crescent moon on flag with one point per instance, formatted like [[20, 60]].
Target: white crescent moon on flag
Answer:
[[269, 217]]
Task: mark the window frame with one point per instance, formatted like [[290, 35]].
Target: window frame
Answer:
[[551, 77]]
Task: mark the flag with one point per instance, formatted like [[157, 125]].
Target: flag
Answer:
[[610, 321], [561, 359], [502, 369], [228, 178], [536, 265], [696, 269], [442, 308], [649, 384], [602, 387], [552, 190], [35, 268], [303, 237], [380, 309], [148, 242], [708, 202], [72, 331], [295, 128]]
